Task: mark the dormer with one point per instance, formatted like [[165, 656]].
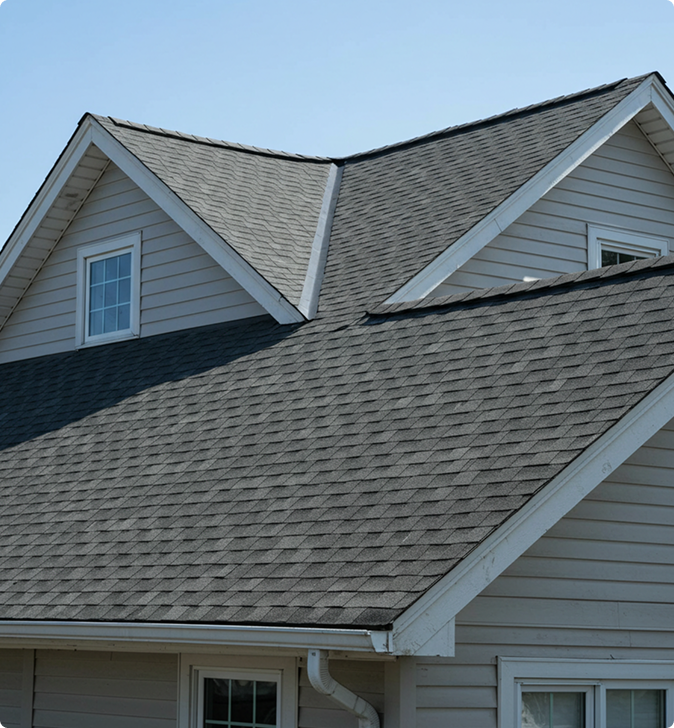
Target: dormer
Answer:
[[139, 231]]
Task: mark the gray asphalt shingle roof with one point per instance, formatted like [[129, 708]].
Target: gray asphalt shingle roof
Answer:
[[322, 474], [264, 204], [401, 206]]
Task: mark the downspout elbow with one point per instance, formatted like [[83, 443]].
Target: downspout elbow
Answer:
[[324, 683]]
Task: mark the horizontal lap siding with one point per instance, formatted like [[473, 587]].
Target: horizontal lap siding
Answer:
[[181, 286], [599, 584], [11, 682], [624, 184], [366, 679], [105, 690]]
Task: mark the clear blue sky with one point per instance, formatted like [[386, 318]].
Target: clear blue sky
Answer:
[[313, 77]]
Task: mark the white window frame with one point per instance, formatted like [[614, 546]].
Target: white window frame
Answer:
[[195, 668], [517, 675], [88, 254], [621, 241]]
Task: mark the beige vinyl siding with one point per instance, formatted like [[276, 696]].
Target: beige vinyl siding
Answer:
[[104, 689], [181, 286], [599, 584], [624, 184], [11, 685], [364, 678]]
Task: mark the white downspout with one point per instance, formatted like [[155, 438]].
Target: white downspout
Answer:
[[323, 682]]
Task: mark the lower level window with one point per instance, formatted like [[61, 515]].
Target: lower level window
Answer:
[[536, 693], [237, 691], [240, 702]]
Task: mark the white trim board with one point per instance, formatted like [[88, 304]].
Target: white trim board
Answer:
[[308, 304], [523, 198], [430, 614]]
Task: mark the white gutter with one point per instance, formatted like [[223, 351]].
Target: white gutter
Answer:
[[321, 680], [350, 640]]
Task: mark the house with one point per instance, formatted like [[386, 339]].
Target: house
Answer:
[[384, 440]]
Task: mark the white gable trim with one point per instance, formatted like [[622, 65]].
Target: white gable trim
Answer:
[[65, 166], [242, 272], [520, 201], [308, 304], [434, 610]]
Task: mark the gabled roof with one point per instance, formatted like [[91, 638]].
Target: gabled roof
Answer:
[[402, 207], [264, 216], [265, 204], [204, 476]]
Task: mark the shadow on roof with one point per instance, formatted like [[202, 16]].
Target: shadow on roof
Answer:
[[49, 393]]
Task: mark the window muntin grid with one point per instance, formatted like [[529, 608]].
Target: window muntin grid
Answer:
[[109, 294], [635, 708], [553, 709], [240, 703]]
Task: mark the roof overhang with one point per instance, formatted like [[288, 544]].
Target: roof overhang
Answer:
[[93, 634], [650, 92], [89, 133]]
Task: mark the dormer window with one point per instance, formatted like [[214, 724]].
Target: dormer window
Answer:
[[108, 292], [608, 246]]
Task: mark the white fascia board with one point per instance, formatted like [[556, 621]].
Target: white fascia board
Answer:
[[242, 272], [520, 201], [350, 640], [308, 304], [426, 617], [46, 197]]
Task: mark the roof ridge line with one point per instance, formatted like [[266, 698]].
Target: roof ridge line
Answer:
[[514, 290], [518, 111], [208, 141]]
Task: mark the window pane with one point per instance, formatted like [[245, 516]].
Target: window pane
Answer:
[[634, 709], [216, 700], [111, 267], [553, 710], [98, 271], [123, 313], [96, 297], [95, 323], [265, 703], [243, 700], [111, 293], [109, 320], [608, 257], [125, 265], [124, 290]]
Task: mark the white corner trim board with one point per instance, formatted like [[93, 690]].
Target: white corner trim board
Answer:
[[322, 681], [242, 272], [347, 640], [523, 198], [426, 617], [308, 304]]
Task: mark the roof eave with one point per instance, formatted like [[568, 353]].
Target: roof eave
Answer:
[[180, 635]]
